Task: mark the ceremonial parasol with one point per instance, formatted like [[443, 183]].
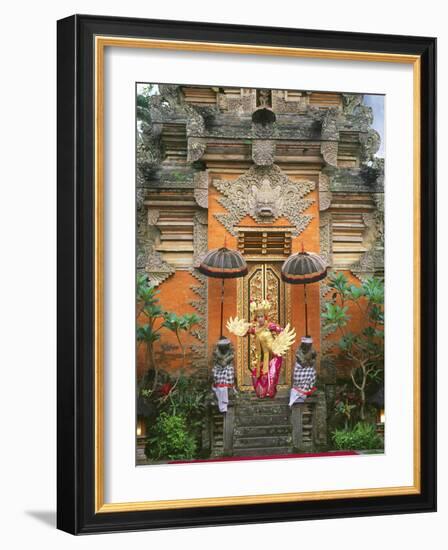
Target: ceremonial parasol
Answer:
[[304, 268], [223, 263]]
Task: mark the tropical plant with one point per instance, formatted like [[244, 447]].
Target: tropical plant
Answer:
[[149, 332], [170, 439], [178, 324], [346, 405], [363, 437], [345, 408], [364, 349]]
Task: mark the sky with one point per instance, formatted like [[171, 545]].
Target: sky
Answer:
[[377, 104]]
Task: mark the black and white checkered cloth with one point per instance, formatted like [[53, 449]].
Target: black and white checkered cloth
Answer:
[[223, 375], [304, 377]]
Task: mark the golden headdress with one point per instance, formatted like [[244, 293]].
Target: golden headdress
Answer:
[[259, 308]]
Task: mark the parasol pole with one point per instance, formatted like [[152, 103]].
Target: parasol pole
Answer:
[[222, 304], [305, 300], [306, 310], [222, 290]]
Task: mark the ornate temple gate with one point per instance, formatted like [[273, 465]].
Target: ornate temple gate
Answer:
[[265, 249]]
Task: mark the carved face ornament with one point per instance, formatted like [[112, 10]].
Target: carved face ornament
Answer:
[[265, 201]]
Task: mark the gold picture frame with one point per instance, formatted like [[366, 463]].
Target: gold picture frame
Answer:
[[103, 515]]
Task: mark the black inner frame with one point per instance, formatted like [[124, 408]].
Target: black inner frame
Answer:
[[75, 172]]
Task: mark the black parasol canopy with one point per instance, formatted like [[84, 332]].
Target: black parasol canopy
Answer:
[[223, 263], [304, 268]]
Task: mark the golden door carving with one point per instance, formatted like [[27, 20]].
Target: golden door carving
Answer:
[[263, 281]]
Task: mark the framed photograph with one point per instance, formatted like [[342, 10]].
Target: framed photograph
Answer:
[[246, 274]]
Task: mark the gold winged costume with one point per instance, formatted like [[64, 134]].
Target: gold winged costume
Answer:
[[272, 342]]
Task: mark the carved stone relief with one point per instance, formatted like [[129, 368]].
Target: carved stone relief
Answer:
[[153, 216], [265, 194], [372, 261], [157, 269], [325, 194], [330, 137], [263, 132], [351, 102], [200, 236], [200, 331], [195, 122], [371, 142], [170, 102], [329, 150], [196, 148], [282, 103], [325, 237], [244, 103], [329, 125], [379, 219], [263, 152], [143, 237], [201, 189], [148, 259]]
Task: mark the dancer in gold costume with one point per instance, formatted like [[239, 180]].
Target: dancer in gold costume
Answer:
[[272, 342]]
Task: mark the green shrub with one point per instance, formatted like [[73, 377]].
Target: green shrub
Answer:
[[170, 439], [188, 399], [363, 436]]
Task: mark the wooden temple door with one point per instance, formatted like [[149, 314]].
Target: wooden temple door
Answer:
[[263, 281]]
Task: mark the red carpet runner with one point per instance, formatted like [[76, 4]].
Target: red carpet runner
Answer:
[[266, 457]]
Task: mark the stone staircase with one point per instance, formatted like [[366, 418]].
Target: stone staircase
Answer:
[[253, 427], [262, 426]]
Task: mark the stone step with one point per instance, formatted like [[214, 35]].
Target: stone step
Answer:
[[262, 420], [259, 409], [261, 442], [257, 401], [265, 401], [262, 451], [281, 394], [257, 431]]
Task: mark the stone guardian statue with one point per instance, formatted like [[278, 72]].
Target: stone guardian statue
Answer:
[[223, 372]]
